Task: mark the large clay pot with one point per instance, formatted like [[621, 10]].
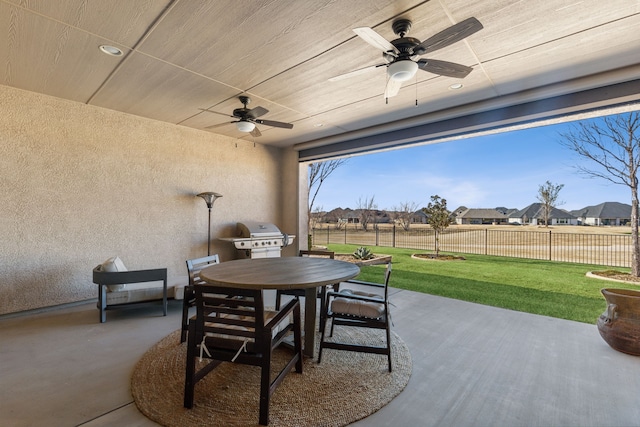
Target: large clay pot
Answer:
[[619, 325]]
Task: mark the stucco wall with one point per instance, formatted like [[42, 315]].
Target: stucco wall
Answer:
[[81, 184]]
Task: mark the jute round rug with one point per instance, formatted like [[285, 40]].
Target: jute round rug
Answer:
[[344, 388]]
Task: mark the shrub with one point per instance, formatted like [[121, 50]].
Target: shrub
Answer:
[[363, 253]]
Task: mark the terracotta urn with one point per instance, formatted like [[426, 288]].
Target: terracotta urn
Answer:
[[619, 325]]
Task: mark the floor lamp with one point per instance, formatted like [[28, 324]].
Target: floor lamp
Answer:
[[209, 197]]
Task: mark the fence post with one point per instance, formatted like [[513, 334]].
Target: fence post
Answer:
[[549, 245], [486, 240], [377, 236], [393, 236], [328, 235], [345, 234]]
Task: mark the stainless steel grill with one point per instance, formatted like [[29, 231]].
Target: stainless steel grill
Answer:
[[259, 240]]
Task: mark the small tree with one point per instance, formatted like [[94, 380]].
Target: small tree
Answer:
[[318, 172], [403, 213], [367, 208], [317, 216], [612, 145], [548, 197], [438, 217]]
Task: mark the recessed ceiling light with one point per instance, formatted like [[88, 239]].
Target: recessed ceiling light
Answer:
[[111, 50], [456, 86], [318, 125]]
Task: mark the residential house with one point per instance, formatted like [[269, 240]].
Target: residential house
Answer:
[[419, 217], [607, 213], [506, 211], [481, 216], [534, 215]]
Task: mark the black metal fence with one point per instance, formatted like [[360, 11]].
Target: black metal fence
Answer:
[[601, 249]]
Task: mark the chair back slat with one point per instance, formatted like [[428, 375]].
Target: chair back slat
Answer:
[[228, 315], [194, 266]]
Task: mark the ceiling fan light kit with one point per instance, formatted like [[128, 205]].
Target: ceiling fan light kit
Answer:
[[243, 126], [402, 70]]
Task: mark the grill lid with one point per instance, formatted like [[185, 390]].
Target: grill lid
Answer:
[[257, 229]]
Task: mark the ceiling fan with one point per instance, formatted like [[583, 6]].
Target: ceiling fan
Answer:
[[401, 54], [248, 118]]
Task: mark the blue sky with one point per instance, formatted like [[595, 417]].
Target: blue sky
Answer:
[[505, 169]]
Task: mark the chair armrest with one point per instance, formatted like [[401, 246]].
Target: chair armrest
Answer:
[[360, 282], [284, 312], [133, 276], [356, 297]]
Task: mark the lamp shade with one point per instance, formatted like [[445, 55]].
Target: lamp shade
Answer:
[[402, 70], [209, 197], [245, 126]]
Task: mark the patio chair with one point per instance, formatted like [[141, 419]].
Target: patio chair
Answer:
[[193, 268], [322, 290], [360, 309], [231, 325]]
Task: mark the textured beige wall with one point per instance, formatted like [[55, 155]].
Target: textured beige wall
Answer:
[[81, 184]]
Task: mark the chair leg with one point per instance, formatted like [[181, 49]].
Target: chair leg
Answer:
[[332, 325], [322, 332], [185, 321], [102, 302], [189, 383], [265, 385], [388, 328], [187, 302], [297, 337], [323, 301], [278, 297]]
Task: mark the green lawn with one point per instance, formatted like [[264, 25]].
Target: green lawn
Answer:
[[553, 289]]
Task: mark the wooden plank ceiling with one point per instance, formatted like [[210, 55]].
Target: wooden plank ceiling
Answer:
[[182, 56]]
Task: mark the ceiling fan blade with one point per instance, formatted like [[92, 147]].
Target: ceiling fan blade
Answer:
[[392, 89], [218, 125], [257, 112], [275, 124], [449, 36], [444, 68], [355, 72], [215, 112], [255, 132], [374, 39]]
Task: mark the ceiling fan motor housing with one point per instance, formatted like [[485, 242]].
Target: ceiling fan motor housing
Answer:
[[241, 112], [401, 26]]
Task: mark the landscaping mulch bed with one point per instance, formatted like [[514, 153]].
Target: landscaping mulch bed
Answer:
[[377, 259], [616, 275]]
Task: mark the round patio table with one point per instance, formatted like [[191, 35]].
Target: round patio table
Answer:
[[284, 273]]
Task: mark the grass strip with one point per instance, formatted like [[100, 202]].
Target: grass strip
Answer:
[[548, 288]]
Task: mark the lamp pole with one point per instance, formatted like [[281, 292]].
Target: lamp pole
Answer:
[[209, 197]]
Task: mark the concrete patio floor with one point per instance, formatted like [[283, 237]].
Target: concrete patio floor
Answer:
[[473, 365]]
